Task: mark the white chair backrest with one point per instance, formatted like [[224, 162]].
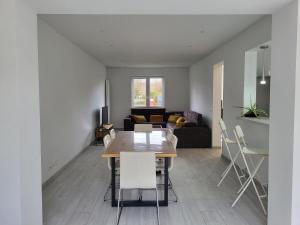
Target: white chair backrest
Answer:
[[137, 170], [169, 130], [169, 135], [106, 140], [174, 141], [223, 128], [112, 133], [240, 134], [222, 125], [143, 127]]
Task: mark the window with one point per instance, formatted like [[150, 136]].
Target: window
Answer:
[[147, 92], [139, 93], [156, 92]]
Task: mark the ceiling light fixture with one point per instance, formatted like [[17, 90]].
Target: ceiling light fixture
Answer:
[[263, 80]]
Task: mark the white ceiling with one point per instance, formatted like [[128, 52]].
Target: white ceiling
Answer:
[[149, 40], [158, 6]]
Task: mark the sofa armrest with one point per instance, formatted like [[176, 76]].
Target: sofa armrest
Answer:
[[193, 137]]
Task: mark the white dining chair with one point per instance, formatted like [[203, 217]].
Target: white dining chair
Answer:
[[160, 165], [174, 141], [112, 133], [229, 142], [137, 171], [247, 154], [169, 134], [159, 161], [143, 127], [107, 141]]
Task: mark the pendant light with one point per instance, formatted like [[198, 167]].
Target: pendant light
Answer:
[[263, 79]]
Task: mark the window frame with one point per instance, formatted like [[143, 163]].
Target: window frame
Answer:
[[147, 91]]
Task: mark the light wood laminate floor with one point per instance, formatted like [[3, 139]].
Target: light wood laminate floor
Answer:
[[75, 196]]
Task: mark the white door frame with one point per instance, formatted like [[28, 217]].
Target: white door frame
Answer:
[[218, 77]]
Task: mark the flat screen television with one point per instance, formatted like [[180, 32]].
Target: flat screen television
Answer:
[[105, 115]]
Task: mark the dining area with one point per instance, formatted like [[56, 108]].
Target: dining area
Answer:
[[140, 177], [140, 160]]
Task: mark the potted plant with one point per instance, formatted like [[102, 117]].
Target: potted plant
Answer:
[[252, 111]]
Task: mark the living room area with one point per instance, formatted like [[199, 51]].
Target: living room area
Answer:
[[147, 78]]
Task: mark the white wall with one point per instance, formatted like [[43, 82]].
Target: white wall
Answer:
[[233, 55], [176, 89], [71, 89], [201, 90], [20, 161], [284, 185], [296, 147]]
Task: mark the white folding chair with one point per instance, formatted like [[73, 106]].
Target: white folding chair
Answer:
[[227, 141], [143, 127], [160, 166], [137, 171], [112, 133], [107, 141], [248, 153]]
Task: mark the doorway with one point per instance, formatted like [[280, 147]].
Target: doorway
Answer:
[[218, 77]]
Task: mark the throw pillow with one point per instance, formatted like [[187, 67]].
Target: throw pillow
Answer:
[[139, 118], [173, 118], [156, 118], [180, 119]]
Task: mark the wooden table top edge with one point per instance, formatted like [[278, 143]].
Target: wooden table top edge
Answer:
[[158, 155], [168, 154]]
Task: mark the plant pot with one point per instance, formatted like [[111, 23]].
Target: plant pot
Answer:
[[249, 114]]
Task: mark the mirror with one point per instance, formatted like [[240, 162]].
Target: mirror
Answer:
[[258, 76]]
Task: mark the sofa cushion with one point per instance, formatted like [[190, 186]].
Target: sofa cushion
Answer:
[[173, 118], [189, 124], [156, 118], [139, 118], [181, 119], [167, 114], [180, 124], [147, 112]]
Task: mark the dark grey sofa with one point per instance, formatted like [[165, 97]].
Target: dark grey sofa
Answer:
[[194, 134]]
